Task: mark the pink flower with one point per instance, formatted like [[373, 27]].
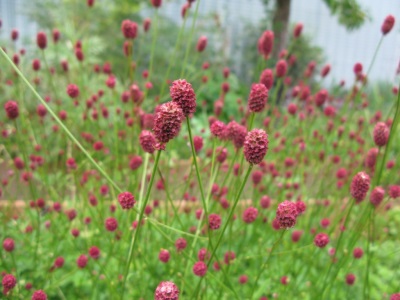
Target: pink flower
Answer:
[[200, 269], [321, 240], [166, 290]]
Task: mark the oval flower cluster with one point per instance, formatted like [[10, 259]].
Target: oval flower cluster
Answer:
[[286, 214], [169, 116]]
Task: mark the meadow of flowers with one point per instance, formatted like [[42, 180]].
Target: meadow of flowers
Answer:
[[112, 187]]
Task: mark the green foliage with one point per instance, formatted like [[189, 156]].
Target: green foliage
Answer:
[[349, 12]]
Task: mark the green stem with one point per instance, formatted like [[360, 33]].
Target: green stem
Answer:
[[265, 263], [137, 231], [226, 224], [189, 42], [337, 250]]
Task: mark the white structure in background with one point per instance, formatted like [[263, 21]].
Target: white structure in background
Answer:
[[342, 48]]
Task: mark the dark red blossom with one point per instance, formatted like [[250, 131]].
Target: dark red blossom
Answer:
[[286, 214], [147, 141], [72, 90], [126, 200], [214, 221], [182, 93], [250, 215], [39, 295], [129, 29], [321, 240], [200, 269], [167, 121], [201, 43], [8, 244], [111, 224], [258, 97], [255, 146], [11, 108], [41, 40], [360, 186], [267, 78], [381, 134], [388, 24]]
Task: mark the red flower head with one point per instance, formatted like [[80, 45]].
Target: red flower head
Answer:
[[321, 240], [297, 30], [182, 93], [286, 214], [217, 128], [59, 262], [281, 68], [166, 290], [135, 162], [14, 34], [156, 3], [321, 97], [267, 78], [147, 141], [8, 244], [325, 70], [198, 143], [292, 108], [129, 29], [358, 253], [82, 261], [350, 279], [381, 134], [56, 35], [111, 224], [201, 43], [360, 186], [72, 90], [214, 221], [146, 24], [11, 108], [94, 252], [250, 215], [255, 146], [258, 97], [376, 196], [167, 122], [36, 65], [8, 282], [388, 24], [39, 295], [180, 244], [200, 269], [164, 255], [358, 67], [41, 40], [127, 200], [266, 43]]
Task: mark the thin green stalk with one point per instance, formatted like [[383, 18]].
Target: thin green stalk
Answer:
[[251, 121], [139, 225], [337, 250], [203, 199], [189, 42], [172, 60], [226, 224], [265, 264], [153, 46]]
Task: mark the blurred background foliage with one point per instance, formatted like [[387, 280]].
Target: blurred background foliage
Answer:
[[99, 30]]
